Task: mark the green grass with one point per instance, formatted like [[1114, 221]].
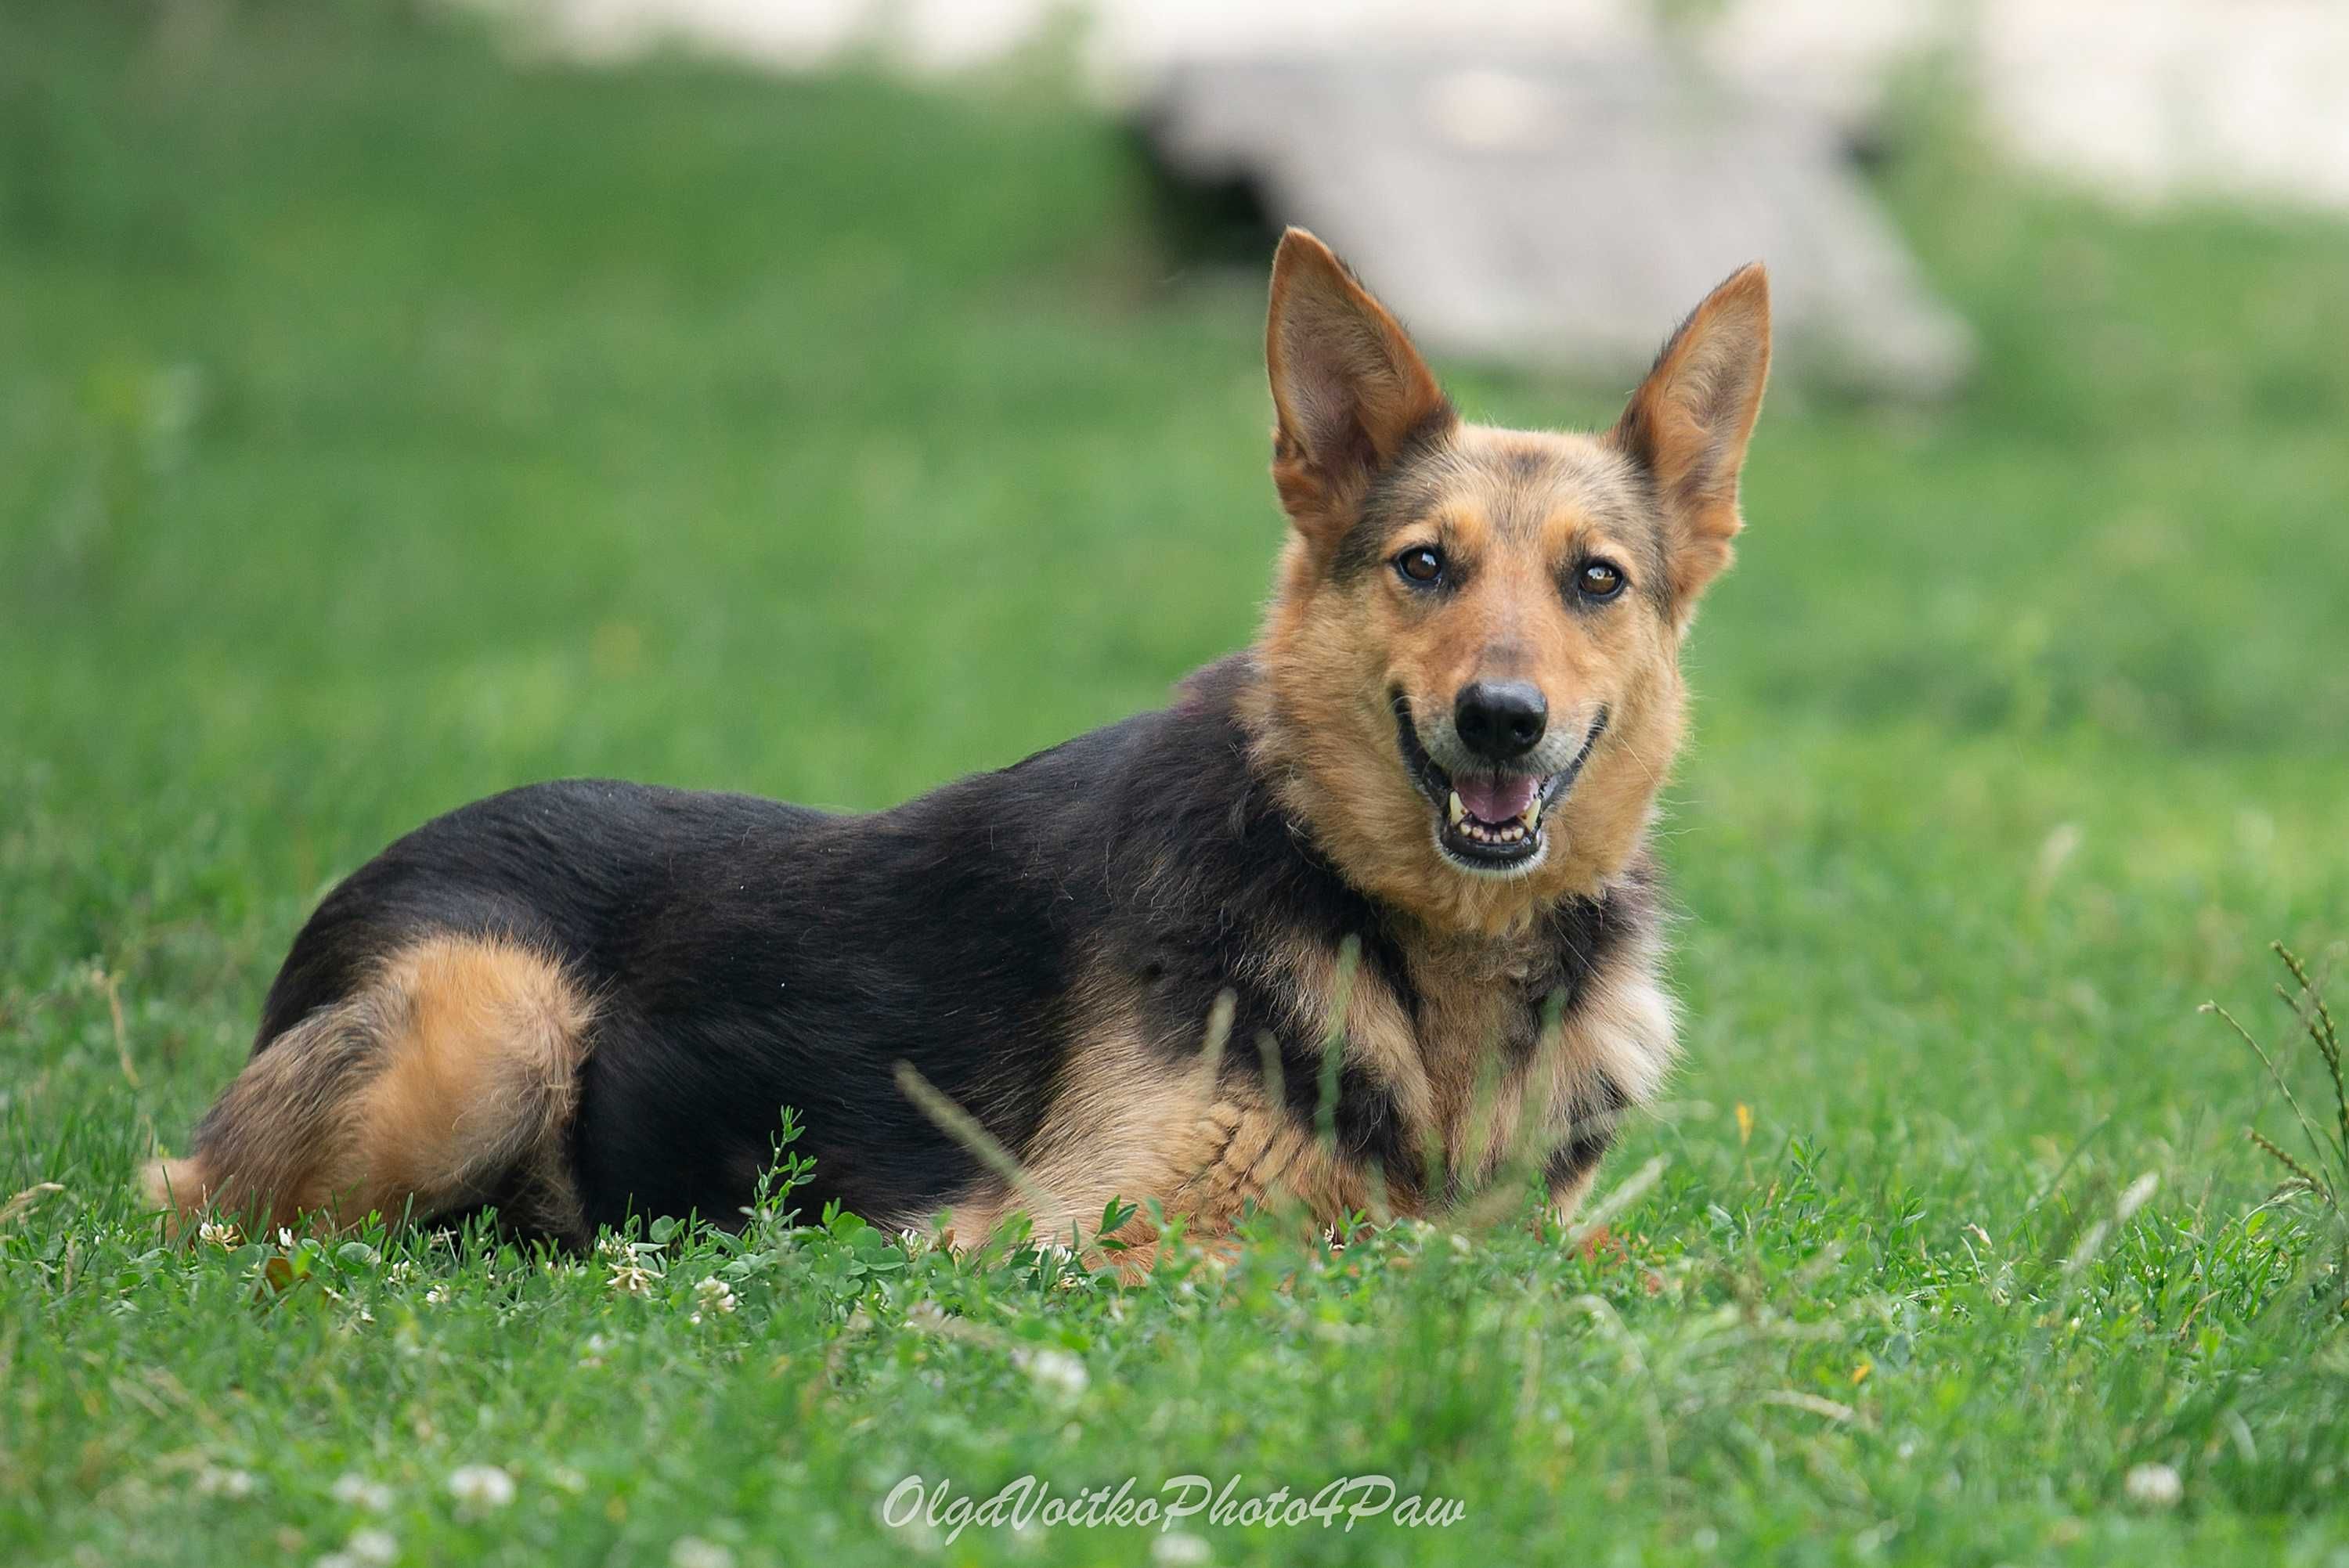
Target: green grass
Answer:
[[381, 426]]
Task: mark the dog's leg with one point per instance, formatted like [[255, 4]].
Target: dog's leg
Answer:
[[1566, 1197], [445, 1081]]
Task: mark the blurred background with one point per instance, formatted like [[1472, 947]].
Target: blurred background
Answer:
[[398, 402]]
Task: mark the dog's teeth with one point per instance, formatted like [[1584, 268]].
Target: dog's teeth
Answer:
[[1531, 815], [1453, 809]]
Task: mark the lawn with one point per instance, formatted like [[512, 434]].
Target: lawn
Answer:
[[383, 424]]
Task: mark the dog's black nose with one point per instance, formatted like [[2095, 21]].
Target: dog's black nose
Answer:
[[1500, 720]]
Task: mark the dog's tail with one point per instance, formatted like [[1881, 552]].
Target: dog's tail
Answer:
[[445, 1081]]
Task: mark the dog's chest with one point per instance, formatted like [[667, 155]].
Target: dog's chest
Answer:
[[1478, 1022], [1467, 1057]]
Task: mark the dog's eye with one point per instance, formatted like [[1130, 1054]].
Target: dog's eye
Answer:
[[1421, 564], [1599, 580]]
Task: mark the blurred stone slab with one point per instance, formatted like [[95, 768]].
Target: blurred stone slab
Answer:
[[2153, 99], [1564, 213]]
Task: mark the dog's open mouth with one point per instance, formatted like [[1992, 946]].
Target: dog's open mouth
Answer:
[[1488, 821]]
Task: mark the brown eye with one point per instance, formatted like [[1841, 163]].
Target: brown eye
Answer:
[[1601, 580], [1421, 564]]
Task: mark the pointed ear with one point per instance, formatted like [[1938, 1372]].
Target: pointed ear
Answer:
[[1347, 388], [1688, 423]]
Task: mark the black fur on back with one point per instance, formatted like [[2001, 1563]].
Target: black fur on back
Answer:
[[746, 956]]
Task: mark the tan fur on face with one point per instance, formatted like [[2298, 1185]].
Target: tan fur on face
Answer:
[[1517, 512], [445, 1080], [1334, 652]]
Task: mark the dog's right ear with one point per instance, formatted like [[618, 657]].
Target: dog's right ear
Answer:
[[1348, 389]]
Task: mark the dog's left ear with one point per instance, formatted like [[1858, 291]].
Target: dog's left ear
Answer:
[[1348, 387], [1688, 424]]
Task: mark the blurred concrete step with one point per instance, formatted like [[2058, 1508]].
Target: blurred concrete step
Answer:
[[1563, 213], [2154, 99]]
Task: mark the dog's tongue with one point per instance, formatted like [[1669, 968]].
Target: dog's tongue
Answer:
[[1496, 797]]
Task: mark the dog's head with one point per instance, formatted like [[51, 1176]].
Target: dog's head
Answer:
[[1472, 684]]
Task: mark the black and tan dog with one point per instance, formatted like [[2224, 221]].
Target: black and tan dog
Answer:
[[1366, 916]]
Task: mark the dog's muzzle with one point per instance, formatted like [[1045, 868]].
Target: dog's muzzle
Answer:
[[1491, 818]]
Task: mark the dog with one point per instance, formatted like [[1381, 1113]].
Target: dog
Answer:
[[1362, 922]]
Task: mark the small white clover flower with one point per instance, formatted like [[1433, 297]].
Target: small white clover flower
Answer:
[[2153, 1486], [284, 1239], [1178, 1549], [1461, 1244], [632, 1278], [372, 1546], [436, 1295], [220, 1233], [1056, 1373], [480, 1487], [215, 1480], [714, 1295], [919, 1535], [693, 1551], [399, 1273], [355, 1490]]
